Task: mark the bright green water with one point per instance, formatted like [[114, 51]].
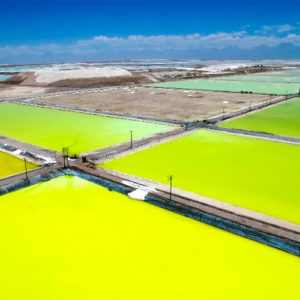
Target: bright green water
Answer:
[[282, 119], [259, 175], [10, 165], [55, 129], [70, 239], [233, 86], [289, 72], [264, 78]]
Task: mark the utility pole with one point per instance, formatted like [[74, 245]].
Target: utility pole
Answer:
[[171, 186], [63, 151], [26, 174], [131, 144], [223, 113], [66, 157], [250, 105]]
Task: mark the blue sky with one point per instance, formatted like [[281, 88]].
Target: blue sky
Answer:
[[65, 30]]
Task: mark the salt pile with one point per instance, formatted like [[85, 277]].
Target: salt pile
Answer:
[[50, 76], [219, 68], [140, 192]]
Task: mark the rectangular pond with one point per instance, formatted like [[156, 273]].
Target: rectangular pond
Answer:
[[10, 165], [233, 86], [71, 239], [264, 78], [255, 174], [283, 76], [282, 119], [56, 129]]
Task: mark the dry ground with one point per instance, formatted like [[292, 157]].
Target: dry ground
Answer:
[[7, 91], [159, 103]]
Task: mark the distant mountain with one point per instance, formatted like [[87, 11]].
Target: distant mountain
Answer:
[[283, 51]]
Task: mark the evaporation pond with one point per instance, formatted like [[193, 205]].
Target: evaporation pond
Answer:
[[255, 174], [10, 165], [55, 129], [282, 119], [71, 239], [232, 86]]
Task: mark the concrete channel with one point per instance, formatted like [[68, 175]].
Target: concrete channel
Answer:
[[36, 154], [263, 223], [255, 134], [246, 110]]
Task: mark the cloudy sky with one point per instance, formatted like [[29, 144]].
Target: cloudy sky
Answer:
[[94, 30]]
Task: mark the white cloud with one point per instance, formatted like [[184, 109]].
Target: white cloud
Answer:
[[267, 29], [216, 40], [99, 44], [284, 28]]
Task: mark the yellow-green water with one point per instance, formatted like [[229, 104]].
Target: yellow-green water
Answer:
[[71, 239], [233, 86], [10, 165], [55, 129], [283, 119], [259, 175]]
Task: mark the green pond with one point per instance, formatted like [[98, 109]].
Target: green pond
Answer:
[[282, 119], [55, 129], [287, 72], [10, 165], [264, 78], [255, 174], [71, 239], [233, 86]]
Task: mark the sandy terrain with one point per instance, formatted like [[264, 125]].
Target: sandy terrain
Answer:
[[108, 76], [46, 76], [159, 103], [21, 91], [80, 79]]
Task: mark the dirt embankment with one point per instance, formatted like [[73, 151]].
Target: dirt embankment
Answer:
[[161, 75], [135, 78], [255, 69], [31, 79], [18, 91], [19, 78], [88, 78]]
